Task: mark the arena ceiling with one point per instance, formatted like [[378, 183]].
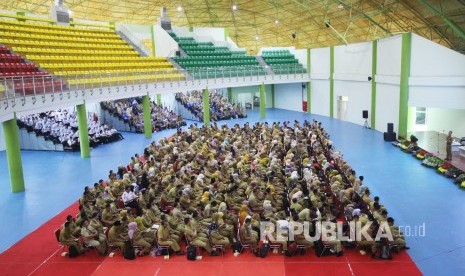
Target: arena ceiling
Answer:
[[301, 23]]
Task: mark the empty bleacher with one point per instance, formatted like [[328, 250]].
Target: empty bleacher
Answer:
[[23, 77], [282, 62], [204, 60], [83, 56]]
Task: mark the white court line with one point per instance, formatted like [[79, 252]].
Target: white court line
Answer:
[[39, 266]]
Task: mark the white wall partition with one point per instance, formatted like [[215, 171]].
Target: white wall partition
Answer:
[[165, 45], [437, 75], [2, 138], [319, 69], [352, 67], [387, 82], [214, 33], [288, 96], [445, 119]]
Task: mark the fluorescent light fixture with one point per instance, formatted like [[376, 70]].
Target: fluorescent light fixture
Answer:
[[256, 37], [276, 21], [179, 9], [234, 7]]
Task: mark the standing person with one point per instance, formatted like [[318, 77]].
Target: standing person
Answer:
[[449, 146]]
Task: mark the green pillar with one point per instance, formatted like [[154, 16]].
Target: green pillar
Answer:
[[262, 101], [83, 131], [374, 62], [272, 95], [206, 107], [153, 40], [13, 155], [404, 87], [158, 99], [146, 110], [230, 98], [309, 85], [331, 82]]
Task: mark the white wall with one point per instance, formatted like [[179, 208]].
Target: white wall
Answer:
[[165, 45], [437, 75], [359, 94], [288, 96], [352, 66], [387, 82], [246, 94], [2, 138], [320, 97], [443, 120], [214, 33], [319, 69], [387, 106], [140, 31]]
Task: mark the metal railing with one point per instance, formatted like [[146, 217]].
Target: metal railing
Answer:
[[21, 86]]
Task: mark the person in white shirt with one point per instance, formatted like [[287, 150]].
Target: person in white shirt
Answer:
[[130, 199]]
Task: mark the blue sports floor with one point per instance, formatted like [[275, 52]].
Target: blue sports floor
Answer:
[[414, 195]]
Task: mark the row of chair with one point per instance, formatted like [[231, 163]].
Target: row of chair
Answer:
[[18, 35], [115, 71], [10, 58], [39, 58], [77, 32], [65, 45], [50, 26], [87, 66], [208, 58], [27, 50], [122, 79]]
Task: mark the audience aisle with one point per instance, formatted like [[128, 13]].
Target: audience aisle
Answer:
[[407, 189]]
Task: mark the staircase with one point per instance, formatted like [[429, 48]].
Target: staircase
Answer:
[[132, 40], [115, 122], [186, 113], [265, 65], [29, 140]]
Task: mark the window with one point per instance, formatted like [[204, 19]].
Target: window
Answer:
[[420, 116]]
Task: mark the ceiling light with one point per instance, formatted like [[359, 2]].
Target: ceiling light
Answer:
[[276, 21], [256, 37], [341, 6], [179, 9], [234, 7]]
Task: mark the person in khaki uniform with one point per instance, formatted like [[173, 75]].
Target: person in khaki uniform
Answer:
[[108, 217], [67, 237], [117, 235], [216, 237], [93, 238], [194, 239], [398, 236], [135, 235], [248, 236], [364, 242], [164, 238]]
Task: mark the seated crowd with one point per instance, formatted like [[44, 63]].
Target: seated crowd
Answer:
[[130, 111], [214, 185], [220, 107], [61, 127]]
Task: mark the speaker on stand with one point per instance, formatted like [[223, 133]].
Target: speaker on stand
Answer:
[[365, 116]]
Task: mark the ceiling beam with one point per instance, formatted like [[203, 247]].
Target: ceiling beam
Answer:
[[364, 15], [446, 19]]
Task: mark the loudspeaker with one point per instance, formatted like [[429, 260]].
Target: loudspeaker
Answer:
[[390, 127], [389, 136], [365, 114]]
